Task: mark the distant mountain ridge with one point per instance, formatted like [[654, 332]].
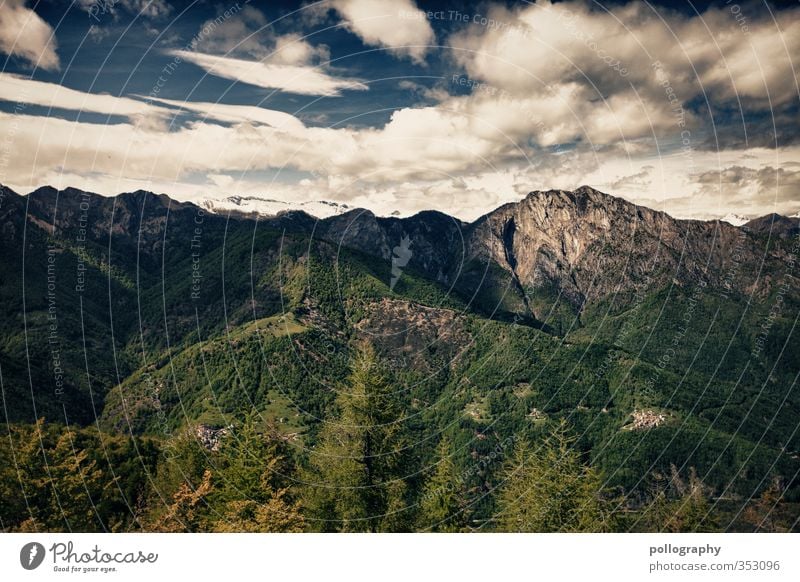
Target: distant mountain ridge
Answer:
[[267, 207], [571, 248]]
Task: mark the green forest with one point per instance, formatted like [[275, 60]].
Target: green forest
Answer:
[[366, 470]]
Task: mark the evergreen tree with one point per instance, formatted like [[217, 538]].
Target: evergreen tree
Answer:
[[62, 485], [181, 470], [252, 463], [254, 475], [20, 460], [277, 515], [547, 488], [360, 454], [399, 515], [441, 505]]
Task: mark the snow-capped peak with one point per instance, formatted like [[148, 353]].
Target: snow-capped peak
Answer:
[[735, 219], [272, 207]]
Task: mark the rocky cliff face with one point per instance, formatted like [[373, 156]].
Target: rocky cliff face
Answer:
[[436, 241], [589, 245]]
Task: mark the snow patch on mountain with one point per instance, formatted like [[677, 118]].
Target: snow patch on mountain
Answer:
[[735, 219], [272, 207]]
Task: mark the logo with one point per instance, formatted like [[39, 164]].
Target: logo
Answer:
[[402, 253], [31, 555]]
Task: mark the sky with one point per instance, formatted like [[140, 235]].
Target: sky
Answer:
[[405, 105]]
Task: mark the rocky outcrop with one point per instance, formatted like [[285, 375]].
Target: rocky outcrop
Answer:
[[408, 335]]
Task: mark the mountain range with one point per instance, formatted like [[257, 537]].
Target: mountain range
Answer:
[[664, 343]]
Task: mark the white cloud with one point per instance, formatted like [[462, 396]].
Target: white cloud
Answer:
[[238, 113], [612, 51], [292, 49], [25, 35], [394, 168], [144, 112], [396, 24], [291, 78], [15, 88]]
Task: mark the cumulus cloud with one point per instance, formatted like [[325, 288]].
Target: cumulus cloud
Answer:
[[395, 24], [449, 156], [397, 167], [292, 49], [548, 96], [640, 66], [752, 190], [25, 35]]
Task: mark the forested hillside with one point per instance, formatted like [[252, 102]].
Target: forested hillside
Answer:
[[572, 362]]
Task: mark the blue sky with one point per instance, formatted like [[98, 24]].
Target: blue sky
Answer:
[[404, 105]]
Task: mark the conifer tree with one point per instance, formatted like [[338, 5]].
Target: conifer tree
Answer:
[[62, 484], [547, 488], [441, 504], [252, 463], [252, 492], [187, 511], [360, 453]]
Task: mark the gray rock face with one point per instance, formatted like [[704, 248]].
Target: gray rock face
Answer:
[[590, 245]]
